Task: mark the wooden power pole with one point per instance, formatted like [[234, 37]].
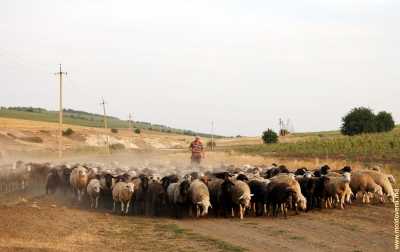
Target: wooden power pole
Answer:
[[103, 103], [130, 122], [212, 135], [60, 122]]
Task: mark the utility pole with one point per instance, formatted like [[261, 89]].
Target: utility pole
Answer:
[[212, 135], [60, 122], [103, 103], [130, 122]]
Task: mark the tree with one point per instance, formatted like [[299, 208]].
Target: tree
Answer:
[[384, 121], [269, 136], [357, 121]]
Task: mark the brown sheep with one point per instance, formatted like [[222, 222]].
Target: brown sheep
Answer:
[[79, 181], [364, 183]]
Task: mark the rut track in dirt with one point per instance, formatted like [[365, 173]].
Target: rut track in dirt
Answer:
[[357, 228]]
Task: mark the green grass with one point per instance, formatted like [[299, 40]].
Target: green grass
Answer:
[[367, 147], [188, 234]]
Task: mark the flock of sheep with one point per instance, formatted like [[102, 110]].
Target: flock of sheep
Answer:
[[223, 191]]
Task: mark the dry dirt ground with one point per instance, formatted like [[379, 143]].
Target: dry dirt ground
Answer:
[[35, 222]]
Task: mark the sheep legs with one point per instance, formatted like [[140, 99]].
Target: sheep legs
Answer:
[[127, 207]]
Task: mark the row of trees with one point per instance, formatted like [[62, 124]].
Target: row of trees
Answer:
[[358, 121]]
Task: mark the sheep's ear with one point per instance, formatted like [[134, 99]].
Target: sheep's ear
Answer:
[[251, 195]]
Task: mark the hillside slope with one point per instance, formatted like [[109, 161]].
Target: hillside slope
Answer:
[[28, 136], [82, 118]]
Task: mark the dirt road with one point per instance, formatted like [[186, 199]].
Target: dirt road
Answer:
[[45, 223]]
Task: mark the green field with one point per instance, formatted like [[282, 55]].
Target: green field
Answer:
[[86, 119], [366, 147]]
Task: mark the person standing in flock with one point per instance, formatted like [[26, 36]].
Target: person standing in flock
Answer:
[[197, 151]]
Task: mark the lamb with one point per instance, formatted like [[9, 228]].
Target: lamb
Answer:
[[200, 197], [93, 191], [79, 180], [364, 183], [122, 192], [382, 180]]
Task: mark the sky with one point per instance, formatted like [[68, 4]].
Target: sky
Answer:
[[185, 63]]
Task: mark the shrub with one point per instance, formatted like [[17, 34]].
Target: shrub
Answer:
[[357, 121], [114, 131], [269, 136], [117, 146], [137, 131], [363, 120], [384, 122], [68, 132]]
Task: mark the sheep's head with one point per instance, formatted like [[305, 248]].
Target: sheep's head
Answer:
[[302, 202], [130, 186], [245, 199], [347, 176], [96, 188], [184, 188], [391, 197], [391, 179], [82, 171], [324, 169], [204, 205]]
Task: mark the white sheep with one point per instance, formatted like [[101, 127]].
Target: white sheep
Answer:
[[122, 192], [93, 191], [200, 197], [241, 196]]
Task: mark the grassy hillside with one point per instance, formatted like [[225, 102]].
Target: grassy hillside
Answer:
[[83, 118], [367, 147]]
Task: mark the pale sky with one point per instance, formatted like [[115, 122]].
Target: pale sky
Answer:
[[243, 64]]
